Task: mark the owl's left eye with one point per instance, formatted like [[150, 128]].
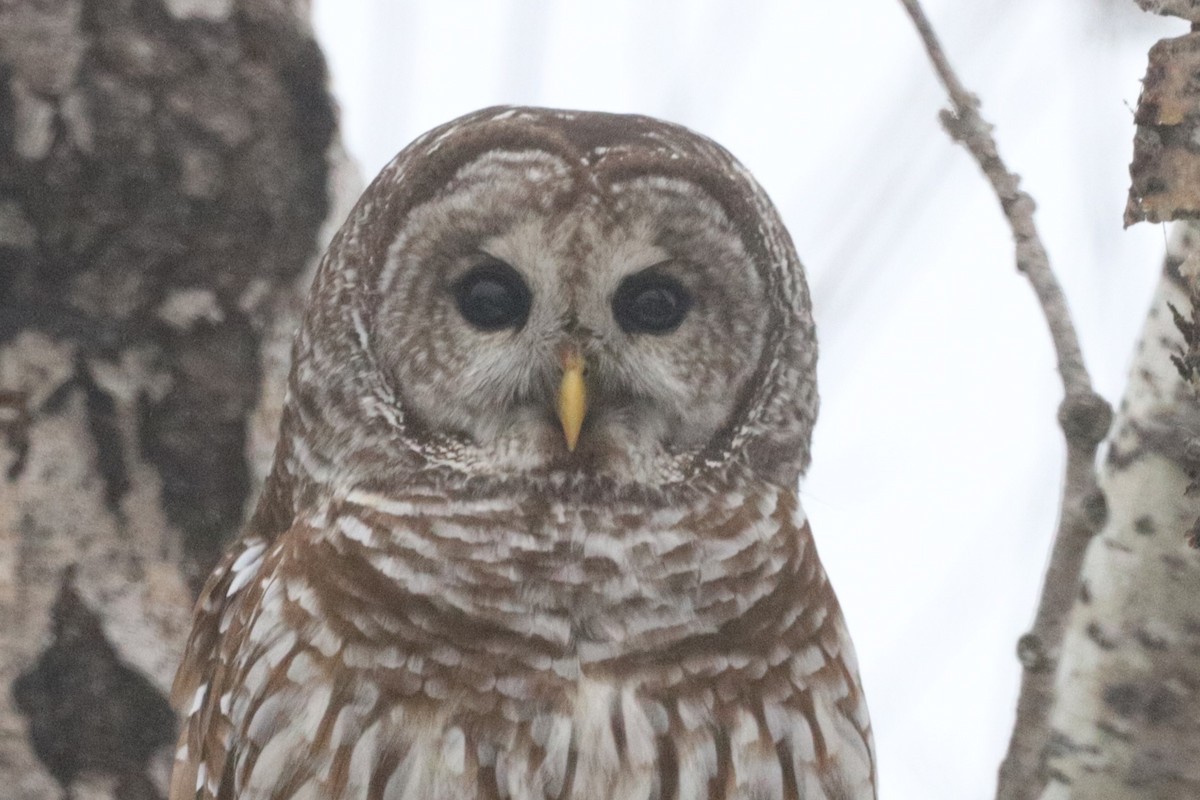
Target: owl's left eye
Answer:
[[492, 296], [650, 302]]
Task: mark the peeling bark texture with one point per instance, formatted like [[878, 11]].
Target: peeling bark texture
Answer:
[[165, 184], [1188, 9], [1165, 172], [1126, 723]]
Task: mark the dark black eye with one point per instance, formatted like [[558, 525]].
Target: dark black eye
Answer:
[[650, 303], [492, 296]]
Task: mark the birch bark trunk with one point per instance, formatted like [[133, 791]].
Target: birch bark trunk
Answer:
[[1126, 719], [166, 176], [1126, 722]]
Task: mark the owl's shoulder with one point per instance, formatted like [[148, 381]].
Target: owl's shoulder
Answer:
[[236, 593]]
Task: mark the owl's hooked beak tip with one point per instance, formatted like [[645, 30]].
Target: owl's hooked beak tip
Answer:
[[572, 398]]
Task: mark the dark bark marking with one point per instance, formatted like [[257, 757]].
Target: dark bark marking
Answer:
[[88, 711], [196, 436], [1097, 635], [1122, 698], [106, 435], [14, 429], [1157, 704]]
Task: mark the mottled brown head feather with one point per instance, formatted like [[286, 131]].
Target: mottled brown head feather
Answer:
[[356, 424]]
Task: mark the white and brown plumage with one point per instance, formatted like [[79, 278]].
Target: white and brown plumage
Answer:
[[532, 530]]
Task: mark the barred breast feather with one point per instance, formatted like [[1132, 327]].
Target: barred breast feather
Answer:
[[362, 655]]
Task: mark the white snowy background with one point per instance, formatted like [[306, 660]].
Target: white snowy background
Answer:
[[937, 461]]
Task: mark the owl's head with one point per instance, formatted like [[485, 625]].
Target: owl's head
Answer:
[[579, 299]]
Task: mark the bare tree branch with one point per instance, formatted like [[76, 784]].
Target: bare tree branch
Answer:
[[1084, 416]]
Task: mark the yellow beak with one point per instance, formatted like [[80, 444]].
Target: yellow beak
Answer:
[[572, 398]]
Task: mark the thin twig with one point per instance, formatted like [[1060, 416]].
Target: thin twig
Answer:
[[1084, 416]]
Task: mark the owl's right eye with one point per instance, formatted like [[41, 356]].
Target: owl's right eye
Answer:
[[492, 296]]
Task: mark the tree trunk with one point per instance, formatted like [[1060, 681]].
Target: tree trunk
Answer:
[[1126, 723], [1126, 720], [165, 180]]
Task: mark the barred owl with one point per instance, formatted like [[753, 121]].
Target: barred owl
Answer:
[[532, 528]]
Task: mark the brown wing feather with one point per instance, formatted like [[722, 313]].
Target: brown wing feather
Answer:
[[199, 684], [200, 740]]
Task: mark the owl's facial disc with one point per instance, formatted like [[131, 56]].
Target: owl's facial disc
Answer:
[[539, 324]]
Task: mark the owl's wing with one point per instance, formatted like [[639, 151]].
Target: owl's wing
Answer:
[[204, 674], [796, 722], [839, 752]]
